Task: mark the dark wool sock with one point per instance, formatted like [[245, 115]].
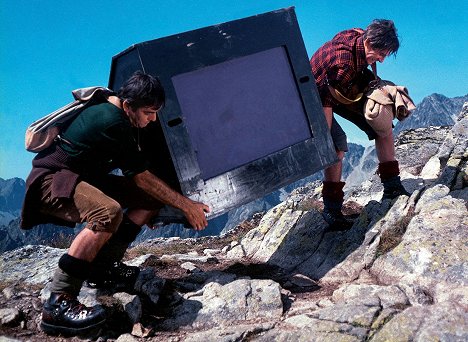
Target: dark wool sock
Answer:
[[388, 170], [333, 195], [127, 231], [115, 248], [75, 267]]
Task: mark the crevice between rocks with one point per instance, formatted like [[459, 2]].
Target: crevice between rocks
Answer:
[[250, 335], [373, 332], [391, 238]]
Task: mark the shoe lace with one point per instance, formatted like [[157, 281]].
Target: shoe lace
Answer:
[[74, 306], [122, 270]]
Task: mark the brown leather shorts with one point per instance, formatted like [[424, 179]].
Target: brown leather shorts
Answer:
[[100, 204]]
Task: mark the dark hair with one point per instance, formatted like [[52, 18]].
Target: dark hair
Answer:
[[143, 90], [382, 35]]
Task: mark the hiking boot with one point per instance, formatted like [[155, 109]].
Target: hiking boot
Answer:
[[393, 188], [118, 275], [336, 221], [64, 315]]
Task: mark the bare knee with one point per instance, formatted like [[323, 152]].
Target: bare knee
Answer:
[[141, 216]]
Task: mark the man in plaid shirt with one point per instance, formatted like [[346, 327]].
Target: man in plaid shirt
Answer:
[[340, 68]]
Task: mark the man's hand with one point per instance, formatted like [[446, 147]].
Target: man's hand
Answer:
[[195, 212], [156, 187]]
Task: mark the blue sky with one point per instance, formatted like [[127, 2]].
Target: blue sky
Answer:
[[49, 47]]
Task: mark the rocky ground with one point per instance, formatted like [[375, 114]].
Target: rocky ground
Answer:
[[23, 299], [399, 274], [165, 258]]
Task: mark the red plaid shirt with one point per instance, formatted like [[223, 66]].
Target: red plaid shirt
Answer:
[[336, 62]]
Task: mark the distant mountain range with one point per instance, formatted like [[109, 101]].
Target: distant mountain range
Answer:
[[11, 199], [359, 163], [434, 110]]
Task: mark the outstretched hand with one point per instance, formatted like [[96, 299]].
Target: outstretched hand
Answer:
[[195, 212]]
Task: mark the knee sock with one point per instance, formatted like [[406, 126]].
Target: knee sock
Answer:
[[333, 195], [115, 248], [388, 170]]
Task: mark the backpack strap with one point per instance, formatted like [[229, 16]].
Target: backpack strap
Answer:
[[43, 132]]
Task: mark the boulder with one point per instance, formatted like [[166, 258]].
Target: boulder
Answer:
[[439, 322], [9, 317], [131, 305], [224, 305], [32, 264], [432, 253]]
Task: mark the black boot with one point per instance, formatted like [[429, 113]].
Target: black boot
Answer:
[[118, 275], [389, 173], [107, 269], [336, 220], [333, 196], [64, 315], [393, 188]]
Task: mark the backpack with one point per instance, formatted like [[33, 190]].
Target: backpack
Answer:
[[44, 131]]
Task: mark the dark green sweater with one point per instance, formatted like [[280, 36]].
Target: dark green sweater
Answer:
[[103, 139]]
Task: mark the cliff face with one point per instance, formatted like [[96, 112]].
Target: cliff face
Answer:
[[400, 273]]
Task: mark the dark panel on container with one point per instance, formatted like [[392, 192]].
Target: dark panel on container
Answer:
[[241, 110], [243, 116]]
